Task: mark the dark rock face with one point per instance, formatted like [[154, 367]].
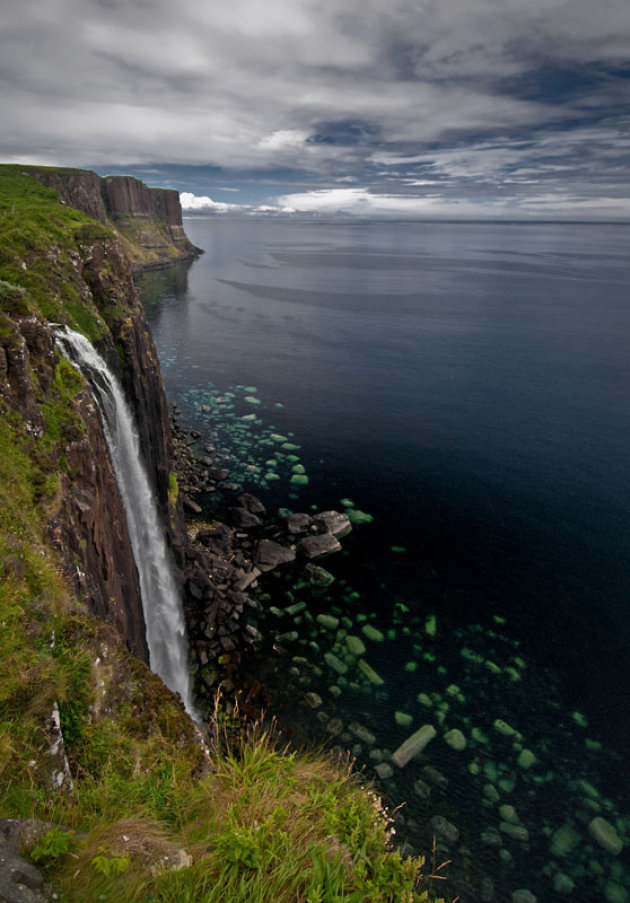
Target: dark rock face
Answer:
[[167, 205], [89, 525], [20, 881], [108, 275], [124, 194], [78, 188]]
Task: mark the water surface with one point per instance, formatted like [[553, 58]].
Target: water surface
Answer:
[[467, 386]]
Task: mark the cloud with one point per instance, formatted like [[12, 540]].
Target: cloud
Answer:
[[196, 203], [363, 202], [330, 89], [284, 139]]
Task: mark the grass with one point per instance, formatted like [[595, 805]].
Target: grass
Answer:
[[264, 823], [40, 263]]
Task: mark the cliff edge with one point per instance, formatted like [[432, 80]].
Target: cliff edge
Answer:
[[148, 220]]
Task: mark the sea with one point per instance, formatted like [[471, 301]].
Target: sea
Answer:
[[462, 391]]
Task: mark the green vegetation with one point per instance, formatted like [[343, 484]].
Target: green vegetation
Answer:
[[40, 269], [146, 241], [259, 823]]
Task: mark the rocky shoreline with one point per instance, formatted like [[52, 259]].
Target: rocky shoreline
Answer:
[[224, 560]]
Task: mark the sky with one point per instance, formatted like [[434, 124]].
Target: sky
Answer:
[[388, 108]]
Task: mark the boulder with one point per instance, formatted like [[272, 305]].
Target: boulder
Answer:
[[332, 522], [244, 519], [251, 503], [322, 544], [299, 523], [269, 554]]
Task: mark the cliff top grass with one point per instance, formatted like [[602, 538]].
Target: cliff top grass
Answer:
[[40, 270]]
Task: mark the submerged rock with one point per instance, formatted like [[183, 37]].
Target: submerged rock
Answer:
[[370, 673], [455, 739], [562, 884], [318, 576], [251, 503], [564, 840], [403, 719], [518, 832], [422, 789], [372, 633], [362, 733], [615, 893], [413, 745], [526, 759], [444, 829], [335, 663], [606, 835], [523, 896], [330, 622], [355, 645]]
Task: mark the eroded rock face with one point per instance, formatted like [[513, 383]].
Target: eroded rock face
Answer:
[[78, 188], [91, 532], [88, 524], [109, 277]]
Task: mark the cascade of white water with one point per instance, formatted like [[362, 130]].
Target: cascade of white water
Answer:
[[161, 603]]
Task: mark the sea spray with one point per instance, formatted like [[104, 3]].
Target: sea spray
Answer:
[[161, 602]]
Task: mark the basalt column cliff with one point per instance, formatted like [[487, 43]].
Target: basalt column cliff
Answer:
[[72, 268]]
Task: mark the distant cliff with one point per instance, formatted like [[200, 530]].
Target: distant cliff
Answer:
[[148, 220]]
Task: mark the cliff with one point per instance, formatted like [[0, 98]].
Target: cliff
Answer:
[[76, 273], [103, 777], [148, 220]]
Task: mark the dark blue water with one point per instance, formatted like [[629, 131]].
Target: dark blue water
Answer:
[[467, 385]]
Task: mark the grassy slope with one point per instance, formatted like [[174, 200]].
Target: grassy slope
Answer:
[[260, 824]]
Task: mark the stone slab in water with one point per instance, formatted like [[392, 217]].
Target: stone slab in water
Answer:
[[314, 546], [413, 745]]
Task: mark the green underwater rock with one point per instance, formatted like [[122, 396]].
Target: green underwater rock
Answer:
[[372, 633], [606, 835], [455, 739], [370, 673]]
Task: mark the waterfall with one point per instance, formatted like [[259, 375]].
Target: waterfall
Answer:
[[161, 602]]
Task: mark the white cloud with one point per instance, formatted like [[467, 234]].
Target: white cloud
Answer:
[[195, 203], [363, 202], [245, 85], [283, 139]]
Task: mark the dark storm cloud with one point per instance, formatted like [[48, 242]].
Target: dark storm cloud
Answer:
[[490, 100]]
